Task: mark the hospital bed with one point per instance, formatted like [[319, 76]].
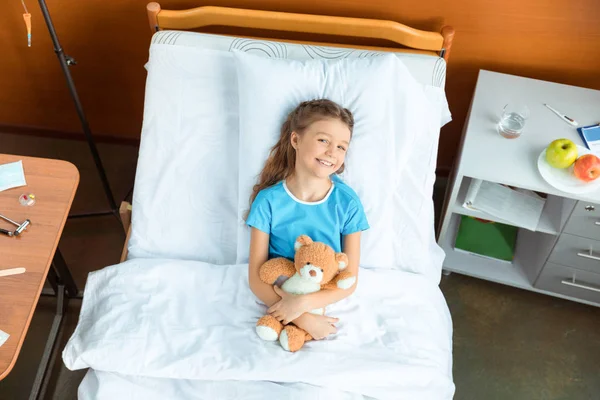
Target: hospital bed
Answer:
[[174, 320]]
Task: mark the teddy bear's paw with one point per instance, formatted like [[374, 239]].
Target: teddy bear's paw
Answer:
[[284, 340], [267, 333], [346, 283], [268, 328], [292, 338]]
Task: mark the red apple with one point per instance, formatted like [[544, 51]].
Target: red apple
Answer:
[[587, 168]]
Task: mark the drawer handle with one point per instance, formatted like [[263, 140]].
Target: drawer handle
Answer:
[[589, 255], [571, 282]]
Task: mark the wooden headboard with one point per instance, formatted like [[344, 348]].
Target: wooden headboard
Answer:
[[412, 40]]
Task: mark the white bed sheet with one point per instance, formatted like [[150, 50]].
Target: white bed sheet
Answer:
[[419, 327], [100, 385], [195, 321]]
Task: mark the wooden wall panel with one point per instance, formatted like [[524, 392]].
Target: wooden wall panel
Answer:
[[556, 40]]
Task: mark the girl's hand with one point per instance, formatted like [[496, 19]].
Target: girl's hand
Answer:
[[289, 308], [318, 326]]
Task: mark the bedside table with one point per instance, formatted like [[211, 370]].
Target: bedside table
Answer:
[[562, 257]]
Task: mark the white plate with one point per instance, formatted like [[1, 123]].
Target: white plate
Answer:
[[563, 179]]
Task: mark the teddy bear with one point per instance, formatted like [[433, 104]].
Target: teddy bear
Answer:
[[316, 266]]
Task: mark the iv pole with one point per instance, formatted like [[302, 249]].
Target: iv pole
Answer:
[[43, 375], [65, 62]]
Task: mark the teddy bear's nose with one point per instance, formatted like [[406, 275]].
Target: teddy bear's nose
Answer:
[[312, 272]]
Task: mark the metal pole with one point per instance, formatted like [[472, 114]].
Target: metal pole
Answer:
[[65, 61], [45, 368], [63, 272]]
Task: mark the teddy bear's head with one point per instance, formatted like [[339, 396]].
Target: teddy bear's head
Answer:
[[316, 261]]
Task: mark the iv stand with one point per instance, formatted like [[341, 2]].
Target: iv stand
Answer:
[[65, 62], [59, 275]]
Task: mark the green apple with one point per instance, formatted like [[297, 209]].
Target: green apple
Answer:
[[561, 153]]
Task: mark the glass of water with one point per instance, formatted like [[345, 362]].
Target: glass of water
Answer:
[[512, 120]]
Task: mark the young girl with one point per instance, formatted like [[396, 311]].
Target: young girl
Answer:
[[298, 193]]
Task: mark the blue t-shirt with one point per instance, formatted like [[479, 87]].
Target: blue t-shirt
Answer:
[[278, 212]]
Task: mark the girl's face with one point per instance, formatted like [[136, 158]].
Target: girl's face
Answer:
[[321, 149]]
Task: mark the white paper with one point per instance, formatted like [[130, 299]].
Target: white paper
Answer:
[[594, 146], [12, 175], [519, 207], [3, 337]]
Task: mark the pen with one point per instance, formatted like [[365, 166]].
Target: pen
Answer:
[[562, 116]]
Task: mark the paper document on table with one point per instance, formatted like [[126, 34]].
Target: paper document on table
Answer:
[[11, 175], [518, 207], [3, 337]]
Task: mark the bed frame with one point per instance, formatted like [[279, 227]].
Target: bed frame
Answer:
[[412, 40]]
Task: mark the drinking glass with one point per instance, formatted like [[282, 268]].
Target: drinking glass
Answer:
[[512, 120]]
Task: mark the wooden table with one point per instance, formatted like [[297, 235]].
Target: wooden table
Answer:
[[54, 183]]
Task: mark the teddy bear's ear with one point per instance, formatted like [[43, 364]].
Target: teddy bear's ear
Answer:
[[342, 260], [302, 240]]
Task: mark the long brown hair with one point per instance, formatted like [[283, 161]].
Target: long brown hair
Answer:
[[282, 159]]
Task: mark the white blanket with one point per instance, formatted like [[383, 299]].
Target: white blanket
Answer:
[[195, 321], [101, 385]]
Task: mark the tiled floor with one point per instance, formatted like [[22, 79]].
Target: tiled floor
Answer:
[[508, 343]]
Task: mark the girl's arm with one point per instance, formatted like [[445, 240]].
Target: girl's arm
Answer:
[[322, 298], [259, 254]]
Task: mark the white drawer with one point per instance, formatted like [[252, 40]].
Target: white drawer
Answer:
[[574, 251], [585, 220], [569, 282]]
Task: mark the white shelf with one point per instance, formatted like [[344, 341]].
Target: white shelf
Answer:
[[488, 269], [481, 267], [549, 222]]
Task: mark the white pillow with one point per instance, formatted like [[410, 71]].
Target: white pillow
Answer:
[[186, 186], [416, 248], [390, 109]]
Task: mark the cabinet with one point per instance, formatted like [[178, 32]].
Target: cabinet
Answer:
[[562, 256]]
